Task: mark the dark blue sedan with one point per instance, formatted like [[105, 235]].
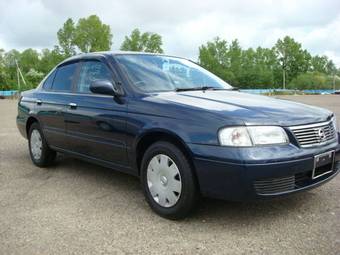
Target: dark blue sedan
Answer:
[[183, 131]]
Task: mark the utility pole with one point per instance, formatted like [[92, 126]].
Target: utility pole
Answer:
[[284, 67], [284, 78], [19, 74], [18, 77]]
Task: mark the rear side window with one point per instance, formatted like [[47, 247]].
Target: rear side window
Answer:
[[49, 81], [91, 71], [64, 77]]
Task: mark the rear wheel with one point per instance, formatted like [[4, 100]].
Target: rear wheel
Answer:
[[168, 181], [41, 154]]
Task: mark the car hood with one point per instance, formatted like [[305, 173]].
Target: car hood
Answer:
[[250, 109]]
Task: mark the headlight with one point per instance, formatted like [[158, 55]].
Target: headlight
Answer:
[[234, 136], [252, 136]]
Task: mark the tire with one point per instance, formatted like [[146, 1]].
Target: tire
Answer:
[[170, 189], [37, 140]]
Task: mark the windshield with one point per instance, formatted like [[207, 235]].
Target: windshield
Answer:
[[153, 73]]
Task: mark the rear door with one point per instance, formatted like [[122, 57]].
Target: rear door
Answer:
[[96, 124], [52, 101]]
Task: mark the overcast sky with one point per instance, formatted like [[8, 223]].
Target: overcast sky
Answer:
[[184, 25]]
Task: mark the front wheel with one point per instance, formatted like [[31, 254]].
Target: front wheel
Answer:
[[168, 181], [41, 154]]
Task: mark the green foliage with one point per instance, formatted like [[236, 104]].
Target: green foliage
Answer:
[[292, 58], [88, 35], [322, 64], [146, 42], [9, 62], [310, 80], [34, 66], [28, 59], [257, 68], [266, 67], [214, 57], [66, 38], [3, 73], [244, 68], [92, 35], [33, 77], [49, 59], [241, 68], [313, 80]]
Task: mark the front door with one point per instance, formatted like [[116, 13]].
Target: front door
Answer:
[[96, 124]]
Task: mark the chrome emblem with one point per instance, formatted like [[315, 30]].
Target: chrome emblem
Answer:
[[322, 134]]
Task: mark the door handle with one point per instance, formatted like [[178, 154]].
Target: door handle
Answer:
[[72, 105], [38, 102]]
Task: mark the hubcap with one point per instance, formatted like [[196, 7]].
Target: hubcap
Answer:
[[164, 180], [36, 144]]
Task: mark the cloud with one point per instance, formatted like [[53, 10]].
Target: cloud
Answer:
[[184, 25]]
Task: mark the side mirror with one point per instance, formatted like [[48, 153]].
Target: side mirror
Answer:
[[105, 87]]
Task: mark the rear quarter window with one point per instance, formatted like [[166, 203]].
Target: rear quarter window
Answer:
[[49, 81]]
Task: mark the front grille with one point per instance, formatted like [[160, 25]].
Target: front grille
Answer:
[[274, 185], [315, 134]]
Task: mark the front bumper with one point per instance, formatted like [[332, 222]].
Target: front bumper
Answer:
[[247, 175]]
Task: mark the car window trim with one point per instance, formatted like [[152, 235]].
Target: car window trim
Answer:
[[74, 93]]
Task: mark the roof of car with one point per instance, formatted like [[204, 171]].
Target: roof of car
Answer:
[[109, 53]]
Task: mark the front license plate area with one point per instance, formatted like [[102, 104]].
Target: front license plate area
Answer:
[[323, 164]]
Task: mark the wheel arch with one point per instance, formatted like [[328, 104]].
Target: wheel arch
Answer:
[[152, 136], [29, 123]]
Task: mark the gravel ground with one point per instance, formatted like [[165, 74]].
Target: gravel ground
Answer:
[[79, 208]]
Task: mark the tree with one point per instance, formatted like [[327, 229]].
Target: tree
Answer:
[[242, 68], [235, 59], [27, 59], [310, 80], [292, 58], [248, 74], [257, 68], [266, 67], [49, 59], [4, 78], [9, 61], [146, 42], [214, 57], [33, 77], [2, 52], [66, 38], [246, 68], [323, 64], [92, 35], [331, 68]]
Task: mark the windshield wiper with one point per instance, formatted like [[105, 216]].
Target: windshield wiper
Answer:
[[206, 88], [195, 88]]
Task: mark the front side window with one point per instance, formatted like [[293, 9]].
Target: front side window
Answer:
[[64, 77], [151, 73], [91, 71]]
